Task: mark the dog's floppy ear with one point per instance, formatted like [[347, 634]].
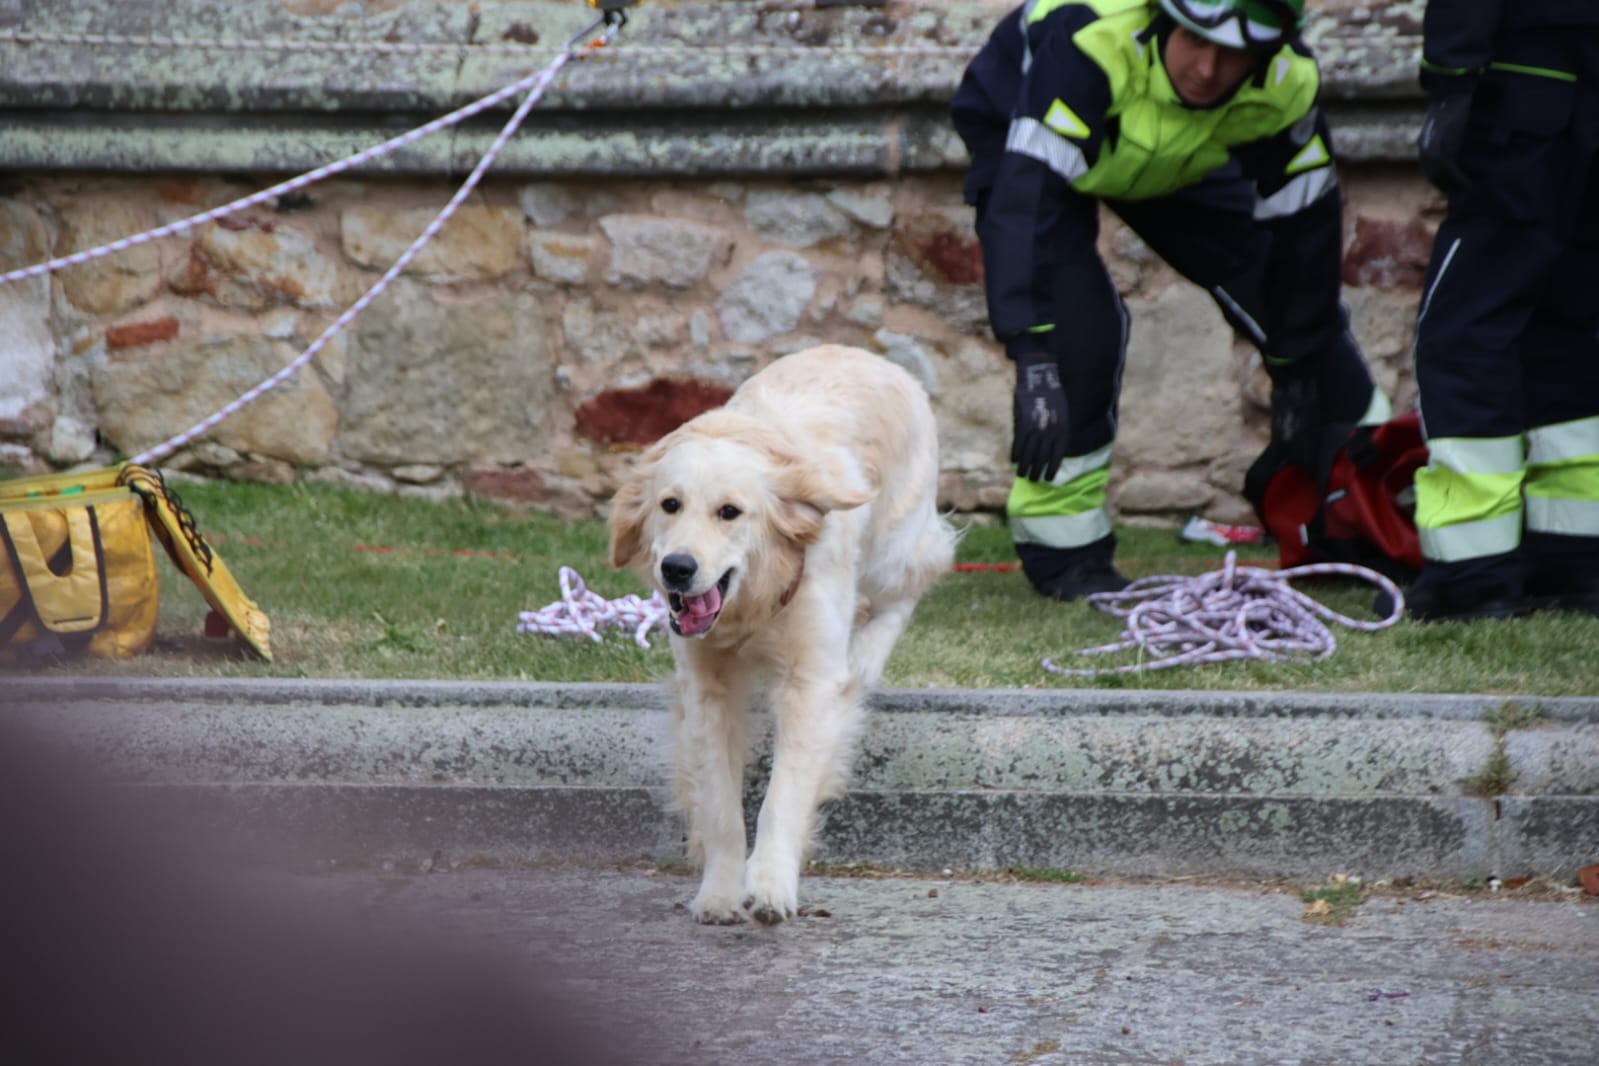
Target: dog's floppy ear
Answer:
[[630, 507], [811, 487]]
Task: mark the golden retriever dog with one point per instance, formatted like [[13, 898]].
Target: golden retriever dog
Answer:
[[792, 532]]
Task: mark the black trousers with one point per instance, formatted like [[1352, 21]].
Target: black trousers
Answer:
[[1507, 341], [1508, 335], [1276, 281]]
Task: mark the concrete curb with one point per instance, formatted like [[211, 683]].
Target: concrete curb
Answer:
[[1108, 782]]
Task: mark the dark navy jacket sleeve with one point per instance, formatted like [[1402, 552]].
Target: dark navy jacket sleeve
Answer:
[[1026, 223], [981, 108]]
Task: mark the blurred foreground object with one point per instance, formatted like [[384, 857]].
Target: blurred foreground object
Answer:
[[131, 939]]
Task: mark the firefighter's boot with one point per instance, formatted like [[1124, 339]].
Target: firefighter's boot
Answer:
[[1489, 587], [1562, 572], [1072, 573]]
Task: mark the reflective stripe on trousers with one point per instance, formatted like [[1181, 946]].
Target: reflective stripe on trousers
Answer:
[[1068, 512], [1562, 483], [1468, 498]]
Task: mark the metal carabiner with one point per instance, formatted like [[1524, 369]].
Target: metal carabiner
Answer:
[[613, 13]]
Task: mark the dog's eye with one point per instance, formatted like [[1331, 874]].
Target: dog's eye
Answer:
[[728, 512], [671, 505]]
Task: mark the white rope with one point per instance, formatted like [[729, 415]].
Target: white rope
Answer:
[[538, 82], [359, 159], [1237, 612], [535, 86], [580, 612], [172, 444]]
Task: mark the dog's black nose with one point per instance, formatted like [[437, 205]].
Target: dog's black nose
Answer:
[[678, 570]]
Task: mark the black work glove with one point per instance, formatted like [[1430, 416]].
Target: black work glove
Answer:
[[1443, 131], [1038, 442]]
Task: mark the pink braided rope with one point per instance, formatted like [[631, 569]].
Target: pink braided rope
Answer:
[[1237, 612], [536, 86], [581, 612]]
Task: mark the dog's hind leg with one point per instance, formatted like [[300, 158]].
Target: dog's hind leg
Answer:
[[818, 723], [874, 641], [709, 752], [892, 600]]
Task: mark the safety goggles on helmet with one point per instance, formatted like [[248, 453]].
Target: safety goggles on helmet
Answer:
[[1251, 24]]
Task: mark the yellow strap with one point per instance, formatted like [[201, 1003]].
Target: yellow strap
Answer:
[[73, 602], [210, 575], [49, 486]]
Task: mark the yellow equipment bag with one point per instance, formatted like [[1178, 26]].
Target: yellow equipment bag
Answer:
[[78, 572], [81, 575]]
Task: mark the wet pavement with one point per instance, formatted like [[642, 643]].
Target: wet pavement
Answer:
[[962, 971]]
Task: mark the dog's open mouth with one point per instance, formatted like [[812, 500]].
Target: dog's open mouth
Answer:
[[693, 616]]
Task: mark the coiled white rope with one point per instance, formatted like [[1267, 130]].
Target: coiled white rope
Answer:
[[580, 612], [1237, 612]]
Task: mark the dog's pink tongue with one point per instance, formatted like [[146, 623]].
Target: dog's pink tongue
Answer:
[[698, 611]]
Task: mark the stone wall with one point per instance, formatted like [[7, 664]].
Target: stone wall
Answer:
[[564, 318]]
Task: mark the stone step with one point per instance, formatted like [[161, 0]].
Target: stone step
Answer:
[[1128, 783]]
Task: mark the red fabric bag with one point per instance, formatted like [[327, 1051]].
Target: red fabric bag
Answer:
[[1357, 505]]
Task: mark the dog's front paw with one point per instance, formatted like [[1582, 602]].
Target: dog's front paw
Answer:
[[715, 909], [771, 895]]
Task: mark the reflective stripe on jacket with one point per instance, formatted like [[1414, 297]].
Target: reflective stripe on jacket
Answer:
[[1071, 96], [1148, 142], [1080, 85]]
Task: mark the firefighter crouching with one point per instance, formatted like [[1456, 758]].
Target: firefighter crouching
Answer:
[[1197, 123]]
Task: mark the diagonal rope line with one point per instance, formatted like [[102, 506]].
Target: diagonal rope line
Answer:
[[172, 444], [539, 84]]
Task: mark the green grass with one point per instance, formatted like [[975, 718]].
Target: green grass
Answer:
[[1498, 773], [1045, 874], [421, 610], [1333, 904]]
